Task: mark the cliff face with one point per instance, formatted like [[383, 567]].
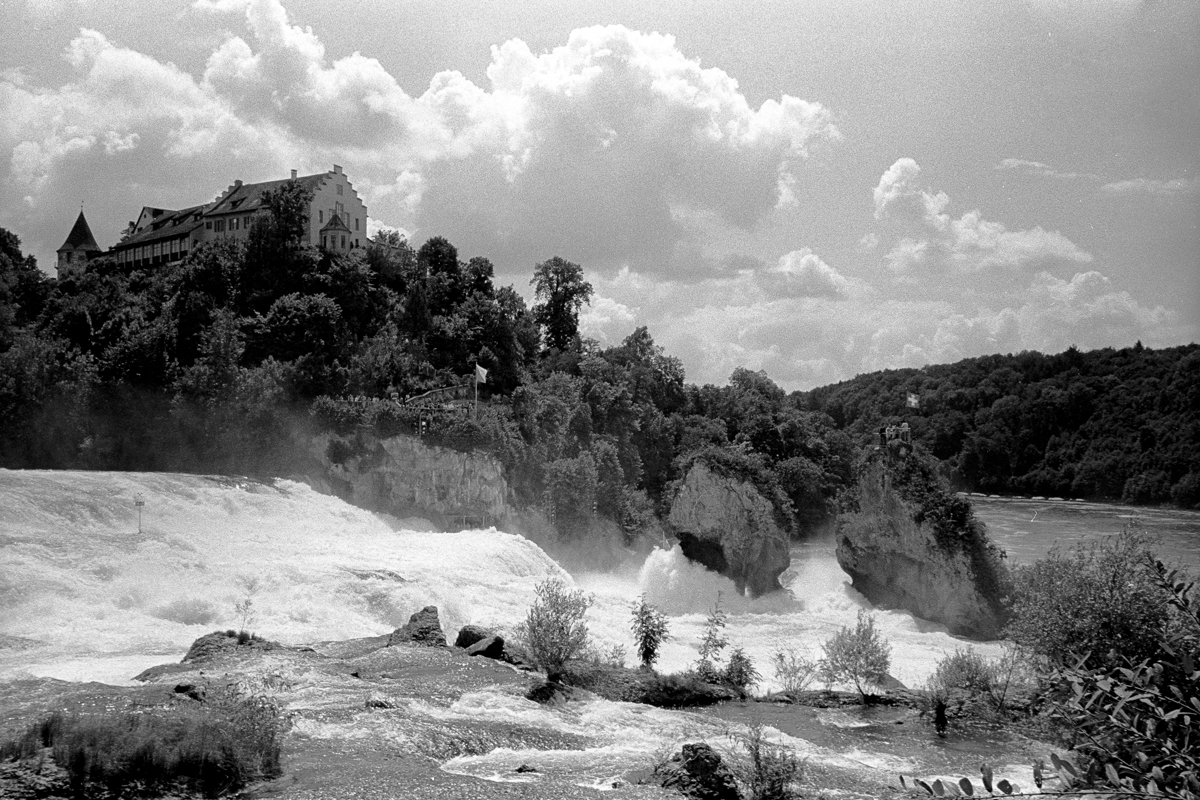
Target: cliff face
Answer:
[[405, 477], [728, 526], [903, 554]]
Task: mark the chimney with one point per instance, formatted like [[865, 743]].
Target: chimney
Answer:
[[337, 169], [237, 184], [293, 174]]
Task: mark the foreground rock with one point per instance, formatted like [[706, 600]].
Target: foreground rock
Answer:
[[423, 627], [916, 546], [698, 772], [727, 525]]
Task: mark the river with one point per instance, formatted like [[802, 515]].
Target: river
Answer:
[[88, 594]]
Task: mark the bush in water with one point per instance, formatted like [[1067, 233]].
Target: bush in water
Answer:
[[649, 631], [860, 656], [965, 670], [793, 671], [739, 673], [711, 644], [554, 630], [769, 771]]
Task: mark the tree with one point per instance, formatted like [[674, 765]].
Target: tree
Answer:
[[860, 656], [288, 205], [561, 292], [712, 643], [554, 628], [649, 631]]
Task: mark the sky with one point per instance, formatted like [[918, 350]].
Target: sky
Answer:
[[815, 189]]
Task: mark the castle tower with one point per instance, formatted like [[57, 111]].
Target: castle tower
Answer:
[[78, 249]]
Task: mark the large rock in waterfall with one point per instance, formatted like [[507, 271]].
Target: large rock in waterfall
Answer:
[[405, 476], [727, 525], [915, 545]]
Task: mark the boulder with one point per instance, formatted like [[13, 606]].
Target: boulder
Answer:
[[698, 772], [220, 643], [491, 647], [423, 627], [725, 524], [916, 546], [470, 634]]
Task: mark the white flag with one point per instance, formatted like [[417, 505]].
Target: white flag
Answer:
[[913, 401], [480, 374]]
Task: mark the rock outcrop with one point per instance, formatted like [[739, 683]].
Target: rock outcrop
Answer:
[[406, 477], [728, 526], [914, 545], [423, 627]]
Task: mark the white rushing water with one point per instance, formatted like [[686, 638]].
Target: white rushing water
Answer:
[[85, 596]]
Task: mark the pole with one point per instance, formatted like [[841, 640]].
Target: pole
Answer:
[[476, 412], [139, 501]]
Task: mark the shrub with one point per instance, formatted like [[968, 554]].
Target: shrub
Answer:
[[739, 673], [554, 630], [649, 631], [860, 656], [965, 670], [711, 644], [215, 750], [767, 770], [793, 671], [1096, 599]]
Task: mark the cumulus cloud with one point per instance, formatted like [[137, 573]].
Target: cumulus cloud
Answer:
[[1158, 188], [615, 147], [606, 320], [802, 273], [969, 244]]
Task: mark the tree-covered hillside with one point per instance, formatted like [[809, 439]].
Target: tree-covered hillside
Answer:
[[1106, 424], [230, 359]]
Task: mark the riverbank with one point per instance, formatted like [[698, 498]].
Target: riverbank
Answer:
[[364, 720]]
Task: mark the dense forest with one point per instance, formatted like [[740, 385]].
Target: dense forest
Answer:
[[1106, 424], [229, 361]]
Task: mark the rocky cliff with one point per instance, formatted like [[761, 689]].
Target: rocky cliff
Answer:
[[405, 477], [727, 525], [916, 546]]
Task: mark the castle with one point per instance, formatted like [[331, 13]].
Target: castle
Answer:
[[337, 221]]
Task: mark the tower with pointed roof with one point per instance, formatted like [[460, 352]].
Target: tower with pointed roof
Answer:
[[78, 249]]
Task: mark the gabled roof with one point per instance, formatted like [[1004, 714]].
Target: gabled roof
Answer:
[[80, 237], [168, 225], [249, 196], [335, 224]]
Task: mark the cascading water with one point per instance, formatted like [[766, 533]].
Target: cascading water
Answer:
[[85, 595]]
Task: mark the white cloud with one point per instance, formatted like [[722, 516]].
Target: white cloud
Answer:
[[803, 342], [969, 244], [607, 149], [801, 273], [1043, 170], [1159, 188], [606, 320]]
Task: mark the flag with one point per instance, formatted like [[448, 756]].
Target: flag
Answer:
[[480, 374], [913, 401]]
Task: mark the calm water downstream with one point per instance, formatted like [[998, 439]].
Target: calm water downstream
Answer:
[[1028, 529]]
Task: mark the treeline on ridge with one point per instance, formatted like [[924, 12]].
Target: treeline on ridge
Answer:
[[229, 361], [1106, 424]]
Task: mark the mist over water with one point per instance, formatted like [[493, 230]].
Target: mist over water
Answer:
[[85, 596]]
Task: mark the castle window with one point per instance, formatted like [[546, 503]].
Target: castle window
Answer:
[[320, 216], [208, 224], [246, 221], [233, 223], [343, 242], [356, 223], [339, 190]]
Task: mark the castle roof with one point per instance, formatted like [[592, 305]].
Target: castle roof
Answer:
[[247, 196], [168, 225], [80, 237]]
